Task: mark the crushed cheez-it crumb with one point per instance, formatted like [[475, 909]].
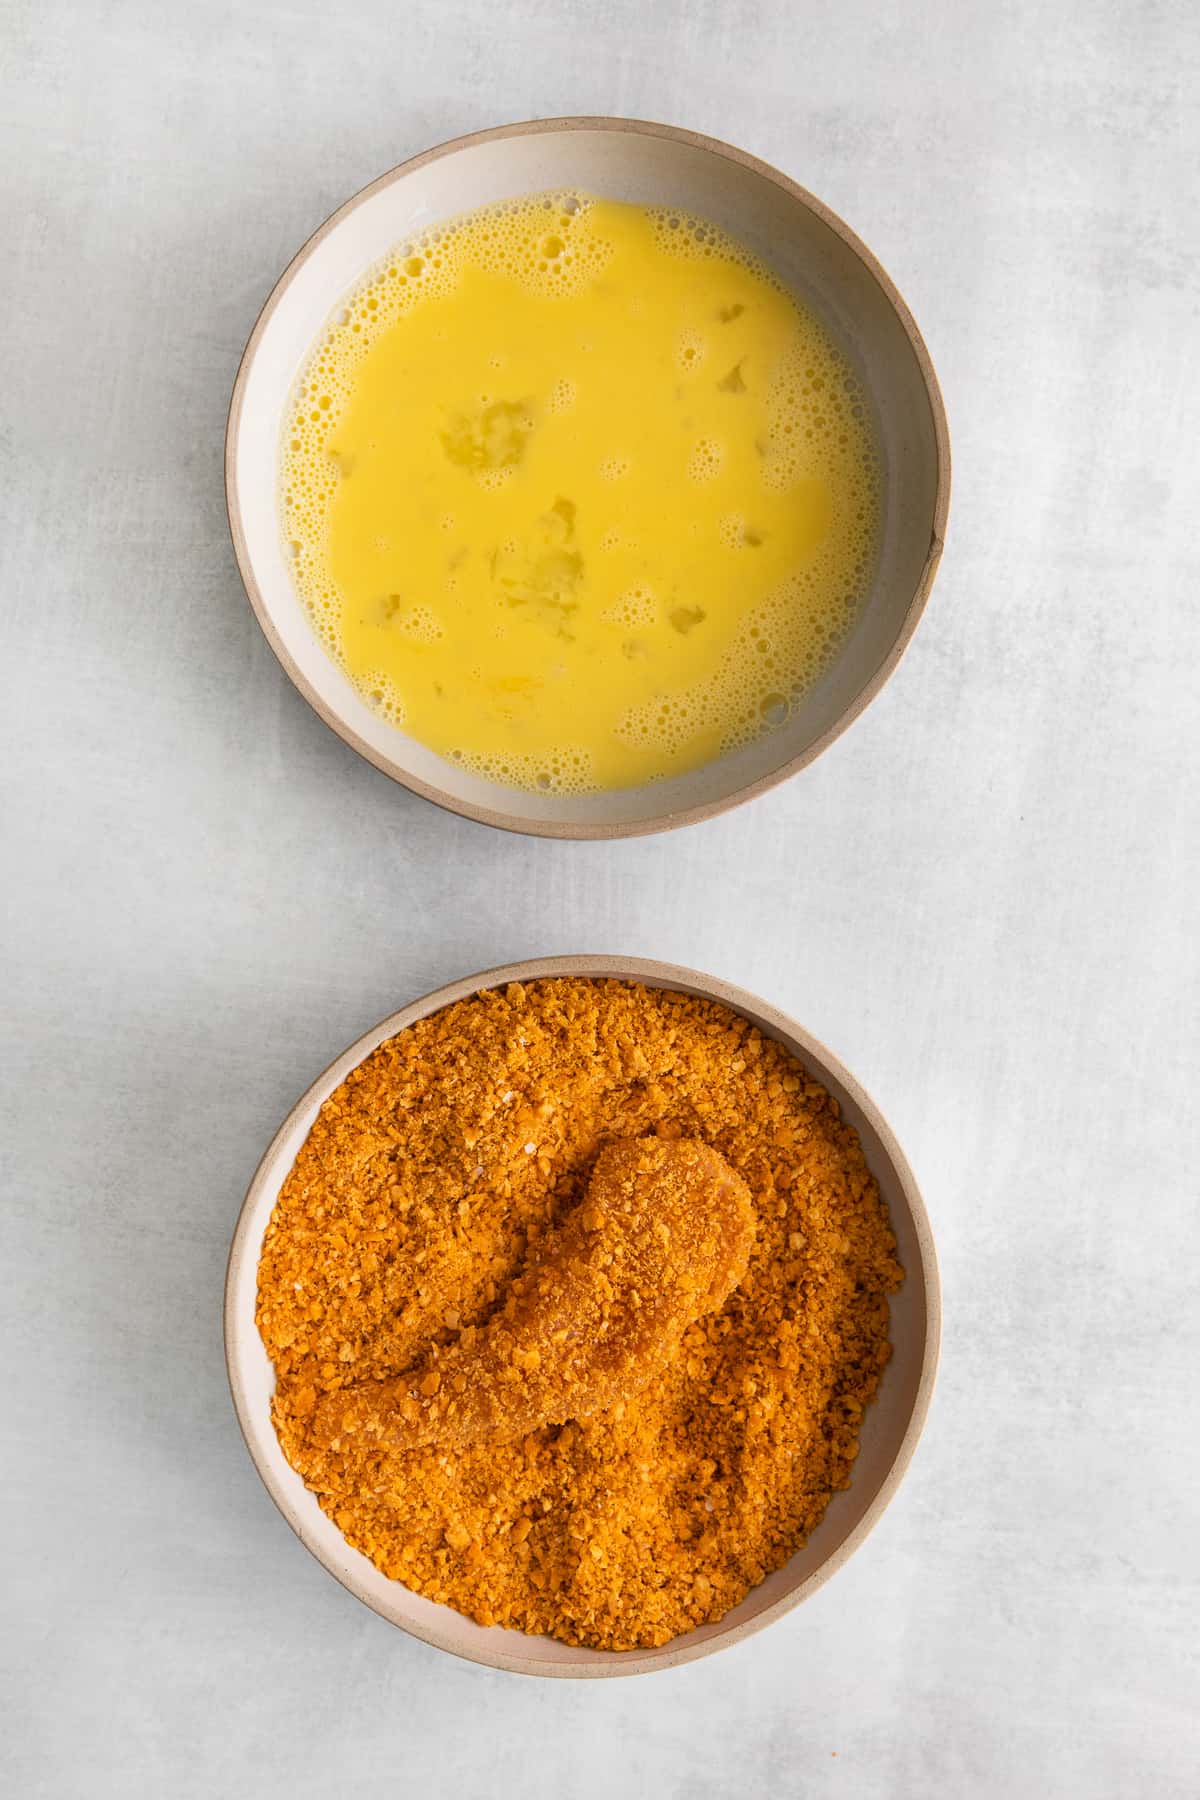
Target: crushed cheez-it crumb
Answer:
[[413, 1215]]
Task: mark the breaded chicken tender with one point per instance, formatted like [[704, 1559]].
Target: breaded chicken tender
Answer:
[[661, 1238]]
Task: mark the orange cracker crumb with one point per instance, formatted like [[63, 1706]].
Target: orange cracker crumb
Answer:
[[436, 1191]]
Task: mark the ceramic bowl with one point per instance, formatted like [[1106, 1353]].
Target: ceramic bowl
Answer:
[[890, 1432], [820, 259]]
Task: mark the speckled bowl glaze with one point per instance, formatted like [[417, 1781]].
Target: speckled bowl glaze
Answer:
[[890, 1432], [821, 260]]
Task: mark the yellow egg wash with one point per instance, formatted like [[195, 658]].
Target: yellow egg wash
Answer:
[[578, 494]]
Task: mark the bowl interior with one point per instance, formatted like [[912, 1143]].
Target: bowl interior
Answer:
[[892, 1424], [626, 162]]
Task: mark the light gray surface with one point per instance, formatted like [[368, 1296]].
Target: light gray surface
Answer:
[[982, 898]]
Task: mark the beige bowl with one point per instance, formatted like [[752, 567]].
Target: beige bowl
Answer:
[[892, 1427], [817, 255]]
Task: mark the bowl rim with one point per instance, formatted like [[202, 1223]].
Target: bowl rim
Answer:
[[650, 973], [650, 823]]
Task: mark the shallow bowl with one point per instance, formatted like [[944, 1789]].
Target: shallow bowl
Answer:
[[892, 1426], [818, 257]]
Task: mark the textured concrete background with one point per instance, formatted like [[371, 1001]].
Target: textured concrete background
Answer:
[[982, 897]]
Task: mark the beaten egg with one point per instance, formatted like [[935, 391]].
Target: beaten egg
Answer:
[[578, 493]]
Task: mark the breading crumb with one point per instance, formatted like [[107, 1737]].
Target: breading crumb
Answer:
[[412, 1216]]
